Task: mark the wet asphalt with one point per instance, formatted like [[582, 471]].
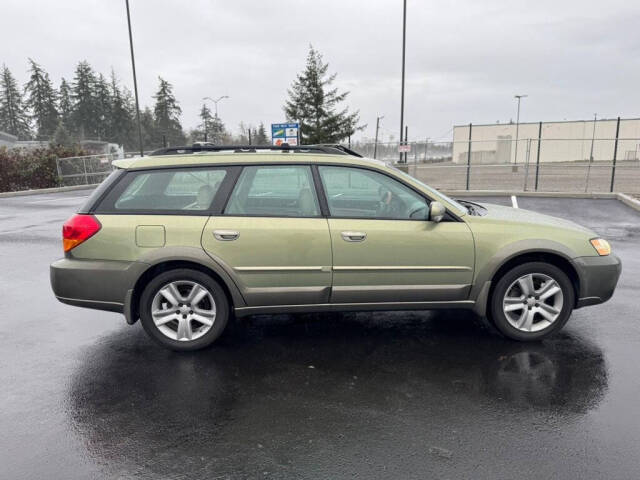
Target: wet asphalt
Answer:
[[368, 395]]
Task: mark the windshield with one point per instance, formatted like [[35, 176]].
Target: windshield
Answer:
[[430, 189]]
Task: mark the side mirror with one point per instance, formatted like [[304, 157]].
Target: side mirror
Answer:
[[436, 211]]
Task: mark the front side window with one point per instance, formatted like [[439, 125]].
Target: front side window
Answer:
[[279, 191], [360, 193], [171, 190]]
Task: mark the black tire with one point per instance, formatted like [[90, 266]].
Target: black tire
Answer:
[[499, 318], [184, 274]]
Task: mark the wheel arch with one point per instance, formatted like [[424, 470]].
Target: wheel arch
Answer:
[[515, 255], [131, 307]]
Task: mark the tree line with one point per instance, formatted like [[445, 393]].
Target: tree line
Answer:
[[92, 106]]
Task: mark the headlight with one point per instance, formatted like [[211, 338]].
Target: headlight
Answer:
[[601, 246]]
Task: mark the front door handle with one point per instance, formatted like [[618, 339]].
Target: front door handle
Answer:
[[226, 235], [354, 236]]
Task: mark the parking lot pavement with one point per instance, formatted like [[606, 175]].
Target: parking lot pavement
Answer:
[[401, 395]]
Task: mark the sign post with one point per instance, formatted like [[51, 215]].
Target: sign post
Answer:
[[285, 133]]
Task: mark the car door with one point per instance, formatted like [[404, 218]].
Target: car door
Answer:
[[384, 248], [273, 237]]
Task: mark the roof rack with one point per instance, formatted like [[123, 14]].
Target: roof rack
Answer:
[[333, 149]]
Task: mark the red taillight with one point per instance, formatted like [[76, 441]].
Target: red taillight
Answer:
[[78, 229]]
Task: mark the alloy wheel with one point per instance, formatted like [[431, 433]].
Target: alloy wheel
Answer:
[[533, 302], [183, 310]]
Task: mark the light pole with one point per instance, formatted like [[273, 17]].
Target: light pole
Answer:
[[215, 102], [593, 138], [404, 44], [515, 159], [375, 145], [135, 80]]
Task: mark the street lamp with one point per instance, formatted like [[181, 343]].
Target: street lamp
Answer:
[[135, 81], [215, 102], [375, 145], [404, 43], [519, 97]]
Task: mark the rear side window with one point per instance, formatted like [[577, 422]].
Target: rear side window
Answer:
[[172, 190], [278, 191]]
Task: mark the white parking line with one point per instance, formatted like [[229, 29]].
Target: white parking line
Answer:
[[514, 201]]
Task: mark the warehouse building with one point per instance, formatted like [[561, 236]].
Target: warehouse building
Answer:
[[565, 141]]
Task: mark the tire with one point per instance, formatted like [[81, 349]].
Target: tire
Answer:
[[176, 321], [532, 301]]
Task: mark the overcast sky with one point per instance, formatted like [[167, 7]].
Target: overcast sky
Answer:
[[465, 59]]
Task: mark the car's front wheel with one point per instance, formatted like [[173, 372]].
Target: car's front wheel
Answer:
[[184, 309], [532, 301]]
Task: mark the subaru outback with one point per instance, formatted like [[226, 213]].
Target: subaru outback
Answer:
[[192, 238]]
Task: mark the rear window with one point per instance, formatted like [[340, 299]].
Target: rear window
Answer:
[[175, 190]]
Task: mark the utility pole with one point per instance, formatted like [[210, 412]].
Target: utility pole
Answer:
[[593, 136], [135, 80], [404, 44], [375, 145], [406, 141], [515, 159]]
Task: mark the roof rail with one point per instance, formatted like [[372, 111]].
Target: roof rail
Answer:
[[208, 147]]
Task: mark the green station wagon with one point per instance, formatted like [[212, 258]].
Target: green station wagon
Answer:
[[188, 239]]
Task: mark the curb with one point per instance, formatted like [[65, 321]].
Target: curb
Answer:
[[629, 201], [40, 191], [508, 193]]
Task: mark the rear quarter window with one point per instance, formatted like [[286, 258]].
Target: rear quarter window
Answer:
[[99, 192], [187, 191]]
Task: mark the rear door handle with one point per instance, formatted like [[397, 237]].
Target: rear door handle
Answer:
[[354, 236], [226, 235]]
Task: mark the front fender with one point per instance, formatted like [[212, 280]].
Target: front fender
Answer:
[[489, 262]]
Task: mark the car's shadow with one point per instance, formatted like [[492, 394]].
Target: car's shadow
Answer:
[[262, 395]]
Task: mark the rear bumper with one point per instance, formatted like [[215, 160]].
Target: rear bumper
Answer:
[[598, 278], [97, 284]]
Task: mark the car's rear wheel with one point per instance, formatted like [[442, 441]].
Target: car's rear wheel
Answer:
[[531, 301], [184, 309]]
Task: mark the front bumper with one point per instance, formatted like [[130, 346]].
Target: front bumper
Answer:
[[598, 278], [97, 284]]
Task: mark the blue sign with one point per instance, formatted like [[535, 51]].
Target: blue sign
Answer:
[[285, 133]]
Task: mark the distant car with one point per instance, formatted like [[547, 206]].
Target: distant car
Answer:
[[186, 239]]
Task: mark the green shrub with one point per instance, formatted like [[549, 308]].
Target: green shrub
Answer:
[[25, 169]]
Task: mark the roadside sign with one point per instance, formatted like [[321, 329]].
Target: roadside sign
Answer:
[[404, 148], [285, 133]]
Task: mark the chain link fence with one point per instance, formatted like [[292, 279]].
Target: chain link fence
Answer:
[[550, 165], [85, 170]]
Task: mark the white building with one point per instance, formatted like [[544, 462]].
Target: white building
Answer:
[[566, 141]]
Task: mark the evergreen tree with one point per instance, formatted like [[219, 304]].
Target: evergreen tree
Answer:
[[122, 125], [83, 95], [65, 105], [148, 126], [261, 136], [13, 116], [167, 116], [61, 136], [313, 102], [103, 108], [41, 99], [204, 131]]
